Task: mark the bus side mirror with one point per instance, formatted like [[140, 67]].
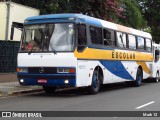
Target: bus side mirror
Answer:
[[17, 25], [12, 33]]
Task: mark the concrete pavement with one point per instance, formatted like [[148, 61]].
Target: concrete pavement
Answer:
[[9, 85], [113, 97]]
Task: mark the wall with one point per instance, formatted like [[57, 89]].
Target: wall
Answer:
[[18, 13], [3, 8]]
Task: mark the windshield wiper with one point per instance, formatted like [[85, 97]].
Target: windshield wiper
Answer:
[[52, 48]]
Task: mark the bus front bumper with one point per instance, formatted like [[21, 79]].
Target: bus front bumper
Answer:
[[59, 80]]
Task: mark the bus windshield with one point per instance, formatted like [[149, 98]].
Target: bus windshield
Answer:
[[56, 37]]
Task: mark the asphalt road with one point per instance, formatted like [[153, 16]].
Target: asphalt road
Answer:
[[114, 97]]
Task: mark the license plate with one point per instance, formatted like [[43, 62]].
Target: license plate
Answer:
[[42, 81]]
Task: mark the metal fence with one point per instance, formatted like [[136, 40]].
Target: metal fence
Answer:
[[8, 56]]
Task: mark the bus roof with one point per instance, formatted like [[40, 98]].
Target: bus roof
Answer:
[[156, 45], [89, 20]]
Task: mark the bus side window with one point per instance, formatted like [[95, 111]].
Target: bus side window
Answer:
[[82, 37], [141, 43], [96, 35], [132, 41], [121, 39], [156, 55], [109, 37], [148, 45]]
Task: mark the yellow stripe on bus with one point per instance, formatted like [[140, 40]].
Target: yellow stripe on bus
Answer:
[[144, 67], [101, 54]]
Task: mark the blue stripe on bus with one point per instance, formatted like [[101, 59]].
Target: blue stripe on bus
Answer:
[[63, 18], [52, 79], [100, 47], [93, 22], [117, 68], [53, 16], [48, 21]]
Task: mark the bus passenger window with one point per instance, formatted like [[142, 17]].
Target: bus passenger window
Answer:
[[132, 41], [82, 37], [140, 42], [109, 37], [121, 37], [148, 45], [96, 35]]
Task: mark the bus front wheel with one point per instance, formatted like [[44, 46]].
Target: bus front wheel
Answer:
[[49, 89], [95, 86]]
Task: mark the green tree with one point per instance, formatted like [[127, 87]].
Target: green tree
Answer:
[[48, 6], [150, 9], [126, 12], [132, 14], [103, 9]]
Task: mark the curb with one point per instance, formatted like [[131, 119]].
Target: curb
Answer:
[[13, 93]]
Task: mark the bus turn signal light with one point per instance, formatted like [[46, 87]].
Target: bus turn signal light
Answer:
[[71, 70], [17, 69]]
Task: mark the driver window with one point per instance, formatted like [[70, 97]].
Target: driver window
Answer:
[[82, 37]]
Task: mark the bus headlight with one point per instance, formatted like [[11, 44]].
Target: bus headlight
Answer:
[[24, 70], [65, 70], [21, 80], [66, 81]]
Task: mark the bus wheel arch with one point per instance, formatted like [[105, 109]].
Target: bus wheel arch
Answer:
[[100, 72], [97, 80]]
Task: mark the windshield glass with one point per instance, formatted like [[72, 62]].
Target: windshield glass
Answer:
[[57, 37]]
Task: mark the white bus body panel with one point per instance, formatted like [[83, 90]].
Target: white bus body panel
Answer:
[[82, 73], [86, 68], [46, 60], [156, 64]]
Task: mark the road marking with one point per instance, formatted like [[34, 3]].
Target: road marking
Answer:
[[145, 105]]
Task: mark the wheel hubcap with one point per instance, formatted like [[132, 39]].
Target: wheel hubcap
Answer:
[[95, 81], [157, 78], [139, 77]]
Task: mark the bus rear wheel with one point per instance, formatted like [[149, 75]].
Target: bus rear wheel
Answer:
[[95, 86], [49, 89], [139, 78], [156, 79]]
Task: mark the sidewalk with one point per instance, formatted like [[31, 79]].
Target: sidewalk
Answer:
[[8, 77], [9, 85]]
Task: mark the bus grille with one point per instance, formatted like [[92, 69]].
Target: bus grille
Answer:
[[42, 70]]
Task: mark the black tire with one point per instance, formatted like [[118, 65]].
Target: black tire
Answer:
[[156, 79], [95, 86], [49, 89], [139, 78], [129, 83]]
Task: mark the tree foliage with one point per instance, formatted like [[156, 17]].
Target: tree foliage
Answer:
[[133, 14], [127, 12], [104, 9], [150, 9]]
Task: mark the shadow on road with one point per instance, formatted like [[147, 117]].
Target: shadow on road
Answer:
[[75, 92]]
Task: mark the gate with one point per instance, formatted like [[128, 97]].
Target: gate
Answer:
[[8, 56]]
